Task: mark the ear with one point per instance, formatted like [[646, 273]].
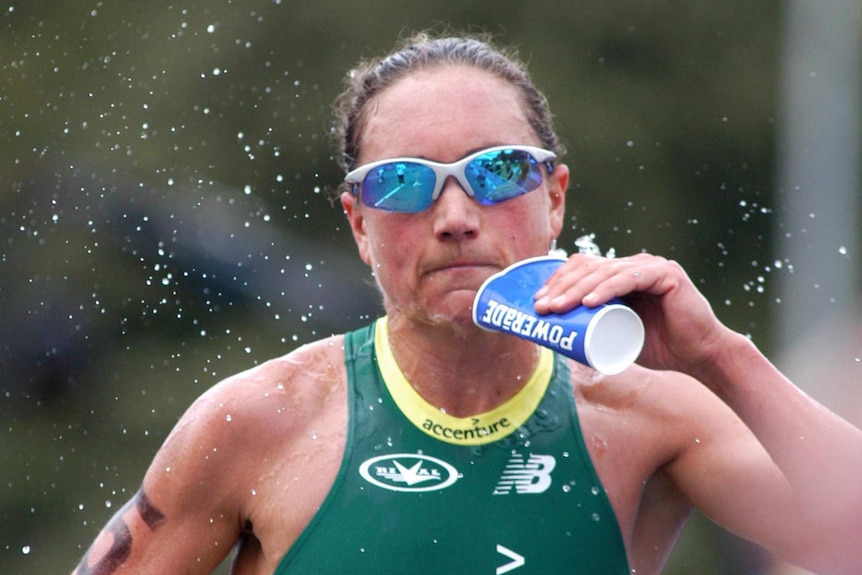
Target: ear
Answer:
[[356, 218], [558, 183]]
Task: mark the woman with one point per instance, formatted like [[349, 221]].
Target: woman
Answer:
[[422, 442]]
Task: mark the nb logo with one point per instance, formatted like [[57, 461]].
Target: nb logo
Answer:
[[531, 476]]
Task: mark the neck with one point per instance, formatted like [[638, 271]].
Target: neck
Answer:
[[462, 371]]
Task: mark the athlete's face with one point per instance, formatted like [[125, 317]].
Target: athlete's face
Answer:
[[429, 264]]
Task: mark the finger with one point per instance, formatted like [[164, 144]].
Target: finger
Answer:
[[653, 276], [600, 281], [573, 281], [566, 277]]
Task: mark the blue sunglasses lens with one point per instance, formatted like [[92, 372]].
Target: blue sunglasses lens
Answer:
[[399, 187], [493, 177], [501, 175]]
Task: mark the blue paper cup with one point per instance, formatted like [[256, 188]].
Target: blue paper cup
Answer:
[[608, 338]]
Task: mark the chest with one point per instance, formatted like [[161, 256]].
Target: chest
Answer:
[[530, 501]]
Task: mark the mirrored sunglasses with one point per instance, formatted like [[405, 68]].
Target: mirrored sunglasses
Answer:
[[488, 176]]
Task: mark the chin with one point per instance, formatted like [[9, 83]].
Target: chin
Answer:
[[450, 311], [461, 325]]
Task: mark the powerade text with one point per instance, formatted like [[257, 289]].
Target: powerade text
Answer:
[[514, 321]]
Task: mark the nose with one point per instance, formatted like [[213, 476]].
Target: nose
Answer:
[[456, 215]]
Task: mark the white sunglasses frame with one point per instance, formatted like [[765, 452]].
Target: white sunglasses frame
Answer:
[[442, 171]]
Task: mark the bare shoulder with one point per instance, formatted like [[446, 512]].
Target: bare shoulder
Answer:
[[658, 424], [637, 426], [232, 464], [285, 391], [235, 431], [645, 421], [667, 403]]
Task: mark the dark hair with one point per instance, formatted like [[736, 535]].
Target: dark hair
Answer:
[[421, 51]]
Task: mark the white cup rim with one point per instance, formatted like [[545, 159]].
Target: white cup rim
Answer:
[[613, 339]]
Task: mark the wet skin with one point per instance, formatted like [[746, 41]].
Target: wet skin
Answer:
[[706, 421]]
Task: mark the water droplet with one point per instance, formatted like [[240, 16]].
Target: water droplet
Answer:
[[227, 417], [25, 550], [595, 517], [594, 490]]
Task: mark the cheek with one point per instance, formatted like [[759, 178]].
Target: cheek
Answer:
[[528, 227], [390, 263], [386, 246]]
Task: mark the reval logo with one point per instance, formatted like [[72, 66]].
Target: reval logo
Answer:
[[408, 472]]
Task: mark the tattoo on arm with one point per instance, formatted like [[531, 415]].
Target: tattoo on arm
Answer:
[[151, 516], [121, 537], [121, 547]]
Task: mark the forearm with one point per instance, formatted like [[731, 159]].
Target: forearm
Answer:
[[819, 453], [795, 429]]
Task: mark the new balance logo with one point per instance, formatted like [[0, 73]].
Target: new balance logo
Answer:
[[531, 476]]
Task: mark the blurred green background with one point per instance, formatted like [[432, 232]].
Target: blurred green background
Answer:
[[164, 219]]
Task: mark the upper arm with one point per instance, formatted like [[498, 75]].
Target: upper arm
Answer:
[[724, 471], [199, 492], [185, 517], [143, 538]]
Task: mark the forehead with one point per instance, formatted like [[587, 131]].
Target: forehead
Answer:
[[443, 113]]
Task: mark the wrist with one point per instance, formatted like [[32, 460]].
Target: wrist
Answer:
[[731, 362]]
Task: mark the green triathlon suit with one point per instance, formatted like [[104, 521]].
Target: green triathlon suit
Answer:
[[421, 492]]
